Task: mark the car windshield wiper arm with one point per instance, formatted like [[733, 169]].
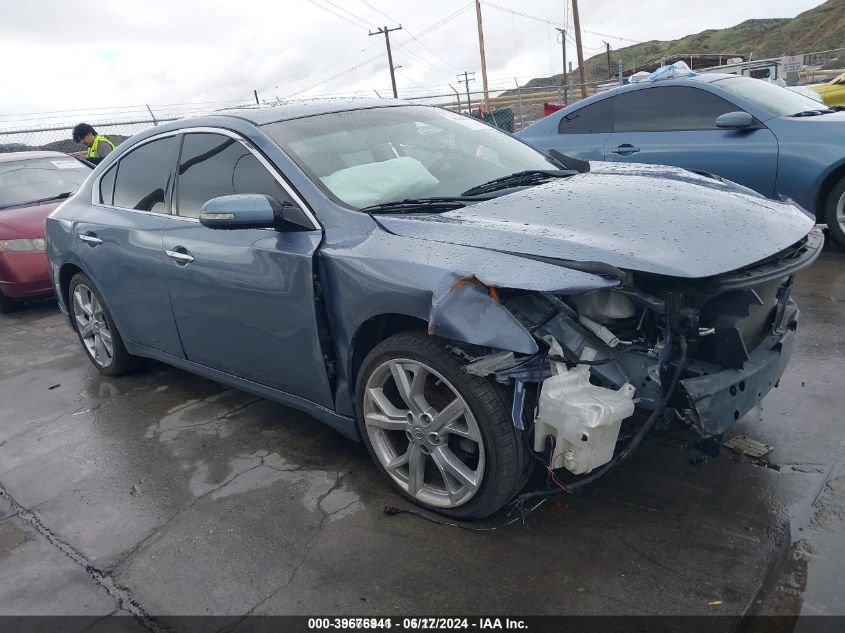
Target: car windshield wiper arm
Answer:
[[420, 205], [520, 178], [814, 112], [27, 203]]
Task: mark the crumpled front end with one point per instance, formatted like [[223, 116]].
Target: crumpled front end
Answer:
[[719, 399], [701, 351]]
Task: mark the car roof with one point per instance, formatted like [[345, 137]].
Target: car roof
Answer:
[[10, 156], [699, 78], [262, 115]]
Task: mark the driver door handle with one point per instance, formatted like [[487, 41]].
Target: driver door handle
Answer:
[[626, 149], [90, 239], [180, 257]]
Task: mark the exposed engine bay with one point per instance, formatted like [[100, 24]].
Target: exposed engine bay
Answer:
[[701, 352]]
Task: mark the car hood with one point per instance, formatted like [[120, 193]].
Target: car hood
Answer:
[[648, 218], [25, 222]]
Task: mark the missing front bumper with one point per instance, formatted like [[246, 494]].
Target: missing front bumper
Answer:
[[718, 400]]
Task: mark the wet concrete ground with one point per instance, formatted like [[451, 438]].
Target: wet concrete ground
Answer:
[[164, 493]]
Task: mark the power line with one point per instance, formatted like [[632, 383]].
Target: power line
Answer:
[[557, 24], [336, 75], [411, 79], [354, 15], [379, 11], [359, 24], [416, 37], [425, 31]]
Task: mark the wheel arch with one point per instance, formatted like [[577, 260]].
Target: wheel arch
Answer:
[[372, 332], [824, 189], [66, 273]]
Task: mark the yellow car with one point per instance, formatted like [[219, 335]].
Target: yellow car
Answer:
[[833, 92]]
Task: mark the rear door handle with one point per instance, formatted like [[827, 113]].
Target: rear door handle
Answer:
[[180, 257], [625, 149], [91, 239]]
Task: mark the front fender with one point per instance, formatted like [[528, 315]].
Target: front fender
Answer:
[[451, 287]]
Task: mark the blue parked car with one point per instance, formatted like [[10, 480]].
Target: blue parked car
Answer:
[[433, 287], [773, 140]]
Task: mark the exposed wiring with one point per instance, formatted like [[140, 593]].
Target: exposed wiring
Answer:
[[602, 361], [628, 450]]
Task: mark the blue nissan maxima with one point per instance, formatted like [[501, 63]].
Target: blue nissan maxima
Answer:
[[768, 138], [437, 289]]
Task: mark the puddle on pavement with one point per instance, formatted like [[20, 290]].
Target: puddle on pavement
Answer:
[[320, 490], [208, 415]]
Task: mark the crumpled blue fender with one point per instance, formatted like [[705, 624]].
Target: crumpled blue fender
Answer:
[[465, 309]]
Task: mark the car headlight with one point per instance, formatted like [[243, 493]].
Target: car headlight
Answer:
[[18, 246]]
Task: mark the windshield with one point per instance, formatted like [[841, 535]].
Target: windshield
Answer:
[[379, 155], [777, 100], [28, 180]]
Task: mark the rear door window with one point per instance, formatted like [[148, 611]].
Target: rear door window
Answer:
[[595, 118], [143, 176], [213, 165], [668, 109]]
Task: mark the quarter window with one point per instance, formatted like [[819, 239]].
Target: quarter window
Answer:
[[592, 119], [668, 109], [213, 165], [107, 186], [144, 176]]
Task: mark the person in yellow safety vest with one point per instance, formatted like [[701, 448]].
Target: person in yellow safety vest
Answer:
[[98, 146]]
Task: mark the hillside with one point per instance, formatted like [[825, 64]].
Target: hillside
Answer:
[[821, 28]]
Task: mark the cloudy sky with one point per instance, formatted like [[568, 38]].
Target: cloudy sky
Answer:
[[60, 55]]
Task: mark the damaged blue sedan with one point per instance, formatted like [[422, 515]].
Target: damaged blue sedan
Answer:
[[461, 303]]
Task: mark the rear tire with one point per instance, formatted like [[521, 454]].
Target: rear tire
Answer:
[[96, 329], [835, 212], [447, 444]]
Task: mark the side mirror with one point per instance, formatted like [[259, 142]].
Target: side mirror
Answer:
[[735, 121], [251, 211]]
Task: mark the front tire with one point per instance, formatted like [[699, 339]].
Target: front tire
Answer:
[[443, 438], [835, 212], [96, 329]]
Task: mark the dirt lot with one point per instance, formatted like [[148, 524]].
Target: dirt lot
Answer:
[[164, 493]]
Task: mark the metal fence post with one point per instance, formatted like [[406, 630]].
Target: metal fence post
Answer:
[[152, 116]]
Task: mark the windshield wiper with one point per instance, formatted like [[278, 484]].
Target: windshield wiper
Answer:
[[814, 112], [520, 178], [420, 205], [29, 203]]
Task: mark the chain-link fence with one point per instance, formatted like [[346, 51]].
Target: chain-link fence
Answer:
[[53, 130], [508, 108]]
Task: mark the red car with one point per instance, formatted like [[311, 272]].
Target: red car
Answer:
[[32, 184]]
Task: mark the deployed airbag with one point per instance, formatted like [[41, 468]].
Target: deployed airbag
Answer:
[[385, 181]]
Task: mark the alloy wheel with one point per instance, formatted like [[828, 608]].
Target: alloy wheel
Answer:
[[840, 211], [423, 433], [92, 325]]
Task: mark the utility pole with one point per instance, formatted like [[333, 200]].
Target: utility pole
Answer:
[[386, 31], [609, 72], [577, 22], [483, 60], [466, 80], [565, 80], [255, 92]]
